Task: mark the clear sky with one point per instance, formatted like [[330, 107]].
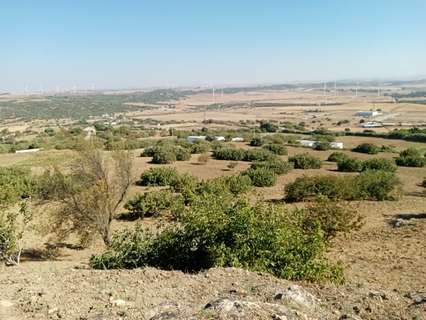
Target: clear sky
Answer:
[[124, 43]]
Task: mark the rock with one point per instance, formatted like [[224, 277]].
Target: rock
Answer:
[[163, 311], [417, 297], [240, 309], [164, 316], [117, 302], [377, 294], [53, 310], [298, 295], [398, 222]]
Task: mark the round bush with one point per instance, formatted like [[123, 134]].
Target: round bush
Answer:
[[409, 161], [158, 177], [336, 156], [200, 147], [277, 165], [369, 148], [163, 156], [322, 145], [229, 154], [379, 164], [305, 161], [257, 155], [350, 165], [152, 203], [182, 154], [262, 177], [256, 142], [276, 148]]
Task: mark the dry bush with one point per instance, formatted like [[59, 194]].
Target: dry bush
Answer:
[[88, 195], [203, 158]]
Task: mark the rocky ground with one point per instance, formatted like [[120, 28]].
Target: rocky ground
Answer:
[[61, 290]]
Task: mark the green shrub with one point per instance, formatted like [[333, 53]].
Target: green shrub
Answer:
[[234, 185], [411, 152], [182, 154], [256, 142], [322, 145], [268, 127], [305, 161], [163, 176], [350, 165], [424, 183], [228, 232], [148, 151], [276, 148], [368, 185], [411, 157], [333, 217], [376, 185], [257, 155], [15, 184], [336, 156], [163, 156], [239, 184], [228, 153], [153, 203], [309, 187], [410, 161], [7, 238], [277, 165], [379, 164], [369, 148], [200, 147], [262, 177]]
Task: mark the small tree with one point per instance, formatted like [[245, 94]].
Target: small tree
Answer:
[[13, 225], [89, 195]]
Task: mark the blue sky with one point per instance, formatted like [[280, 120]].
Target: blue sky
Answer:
[[121, 44]]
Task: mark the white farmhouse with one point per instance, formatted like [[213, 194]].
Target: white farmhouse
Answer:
[[27, 150], [237, 139], [367, 114], [192, 139]]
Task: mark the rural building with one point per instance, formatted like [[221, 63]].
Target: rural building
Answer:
[[367, 114], [192, 139], [312, 143], [219, 138], [307, 143], [27, 150], [336, 145], [237, 139], [371, 125]]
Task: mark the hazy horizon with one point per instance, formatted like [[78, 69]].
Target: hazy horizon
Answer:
[[58, 45]]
